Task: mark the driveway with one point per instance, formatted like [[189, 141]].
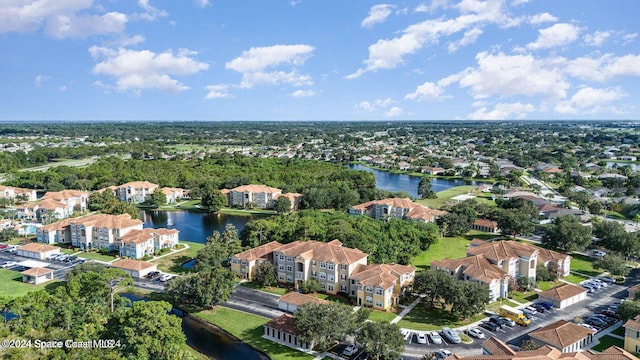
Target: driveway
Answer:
[[254, 302]]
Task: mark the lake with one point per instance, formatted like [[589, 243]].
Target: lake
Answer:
[[194, 226], [389, 181]]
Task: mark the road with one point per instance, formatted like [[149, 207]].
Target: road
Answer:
[[254, 302]]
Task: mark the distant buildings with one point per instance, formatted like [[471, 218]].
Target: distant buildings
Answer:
[[54, 205], [259, 197], [399, 208], [17, 194], [135, 192]]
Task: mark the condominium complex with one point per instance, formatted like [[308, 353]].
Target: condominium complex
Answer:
[[259, 196], [399, 208]]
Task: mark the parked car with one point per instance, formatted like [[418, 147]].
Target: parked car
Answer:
[[53, 257], [406, 334], [610, 313], [547, 305], [508, 322], [595, 284], [529, 314], [476, 333], [539, 308], [421, 339], [613, 308], [489, 326], [443, 354], [496, 320], [599, 282], [608, 279], [12, 248], [8, 264], [596, 322], [166, 277], [450, 335], [434, 337], [350, 350], [153, 274], [530, 309], [599, 253], [3, 246], [605, 318], [587, 326]]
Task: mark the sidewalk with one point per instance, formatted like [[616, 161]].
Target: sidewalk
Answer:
[[406, 310]]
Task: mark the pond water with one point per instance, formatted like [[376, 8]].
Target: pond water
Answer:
[[612, 164], [193, 225], [389, 181]]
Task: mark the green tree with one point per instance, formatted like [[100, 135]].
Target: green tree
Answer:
[[282, 205], [567, 234], [212, 199], [157, 198], [321, 324], [100, 199], [381, 339], [203, 289], [424, 189], [616, 265], [147, 331], [265, 274], [310, 286], [8, 234], [219, 248], [629, 309], [121, 207]]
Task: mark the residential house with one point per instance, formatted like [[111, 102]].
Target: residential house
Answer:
[[89, 232], [244, 263], [290, 301], [43, 211], [563, 335], [16, 193], [479, 269], [632, 335], [283, 331], [381, 285], [136, 268], [75, 200], [37, 251], [485, 225], [399, 208], [135, 192], [258, 196], [563, 295], [139, 243], [173, 194], [433, 170], [37, 275]]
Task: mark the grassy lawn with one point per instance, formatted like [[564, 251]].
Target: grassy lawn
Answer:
[[421, 318], [448, 247], [241, 212], [575, 279], [183, 205], [269, 289], [523, 296], [495, 306], [546, 285], [330, 297], [96, 256], [584, 265], [11, 284], [173, 263], [619, 331], [608, 341], [446, 195], [249, 328], [382, 316]]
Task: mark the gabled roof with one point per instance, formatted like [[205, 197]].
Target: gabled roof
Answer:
[[37, 247], [477, 267], [414, 210], [256, 189], [285, 323], [546, 255], [258, 252], [64, 194], [380, 275], [130, 264], [50, 204], [633, 324], [37, 271], [324, 252], [486, 223], [562, 292], [291, 196], [495, 346], [561, 334], [107, 221], [139, 185], [503, 250]]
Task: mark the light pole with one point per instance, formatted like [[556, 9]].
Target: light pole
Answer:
[[112, 285]]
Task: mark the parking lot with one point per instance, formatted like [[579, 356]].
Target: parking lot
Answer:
[[60, 267]]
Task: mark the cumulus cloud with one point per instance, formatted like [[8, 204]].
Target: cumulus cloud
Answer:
[[377, 14], [40, 79], [503, 111], [557, 35], [519, 2], [139, 70], [202, 3], [425, 92], [542, 18], [151, 13], [603, 68], [589, 100], [394, 112], [253, 65], [380, 105], [469, 37], [597, 38], [219, 91], [59, 19], [303, 93]]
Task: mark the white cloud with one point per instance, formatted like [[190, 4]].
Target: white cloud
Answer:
[[503, 111], [219, 91], [384, 105], [393, 112], [554, 36], [40, 79], [151, 13], [366, 106], [519, 2], [628, 37], [252, 64], [202, 3], [603, 68], [377, 14], [435, 4], [294, 2], [469, 37], [303, 93], [142, 70], [62, 88], [60, 19], [589, 100], [542, 18], [426, 91], [597, 38]]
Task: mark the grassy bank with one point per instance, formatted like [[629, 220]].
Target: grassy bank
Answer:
[[421, 318], [249, 328], [11, 284], [449, 247], [173, 263]]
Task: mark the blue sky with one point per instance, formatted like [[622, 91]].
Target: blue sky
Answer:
[[319, 60]]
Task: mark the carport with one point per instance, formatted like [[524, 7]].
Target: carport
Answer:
[[563, 295], [37, 275]]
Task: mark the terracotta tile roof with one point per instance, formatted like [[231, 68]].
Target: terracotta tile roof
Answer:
[[107, 221], [546, 255], [129, 264], [478, 242], [611, 353], [258, 252], [291, 196], [139, 185], [141, 236], [38, 248], [424, 213], [478, 267], [50, 204], [58, 225], [495, 346], [256, 189], [381, 275], [561, 334], [325, 252], [37, 271], [64, 194], [168, 190], [297, 298], [486, 223], [503, 250], [412, 209], [285, 323], [562, 292], [633, 324], [16, 190], [501, 351], [225, 191]]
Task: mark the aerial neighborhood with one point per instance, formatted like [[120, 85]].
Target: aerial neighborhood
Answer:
[[488, 244]]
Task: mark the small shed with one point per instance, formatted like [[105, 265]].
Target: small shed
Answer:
[[563, 335], [563, 295], [37, 275], [38, 251], [290, 301], [136, 268]]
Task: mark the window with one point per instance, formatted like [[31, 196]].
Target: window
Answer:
[[323, 276], [368, 289], [281, 257], [379, 303], [343, 277], [289, 278], [369, 300], [378, 291], [281, 267], [314, 263], [300, 275], [314, 273], [330, 288], [289, 259], [330, 266], [323, 286], [532, 265], [289, 268], [343, 288], [343, 266], [331, 278], [234, 260], [281, 277], [323, 265]]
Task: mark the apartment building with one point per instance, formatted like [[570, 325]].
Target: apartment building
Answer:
[[380, 285], [139, 243], [135, 192], [244, 263], [399, 208], [479, 269], [632, 335], [16, 193], [258, 196], [89, 232]]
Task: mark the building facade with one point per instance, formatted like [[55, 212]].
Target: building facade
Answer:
[[135, 192], [399, 208], [139, 243]]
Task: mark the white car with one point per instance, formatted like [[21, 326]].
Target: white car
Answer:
[[509, 322], [599, 253], [600, 282], [531, 309], [443, 354], [476, 333], [8, 264], [166, 277], [435, 337], [587, 326], [350, 350], [406, 334], [422, 339]]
